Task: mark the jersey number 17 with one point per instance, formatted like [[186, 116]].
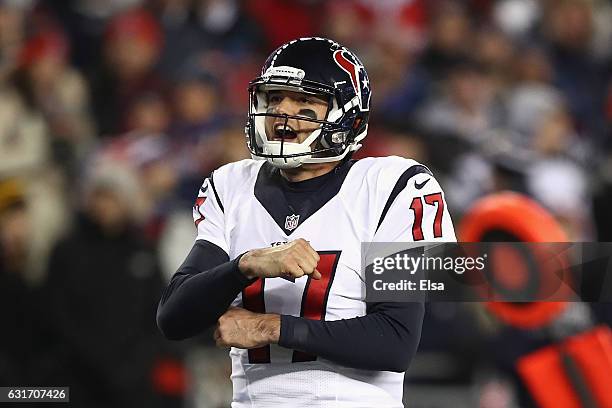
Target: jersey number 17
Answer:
[[313, 305]]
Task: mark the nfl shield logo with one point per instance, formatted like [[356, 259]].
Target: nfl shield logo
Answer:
[[291, 222]]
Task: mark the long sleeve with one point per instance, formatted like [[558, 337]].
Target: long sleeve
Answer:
[[386, 338], [200, 291]]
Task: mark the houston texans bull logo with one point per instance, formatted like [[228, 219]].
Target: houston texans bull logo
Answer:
[[356, 72]]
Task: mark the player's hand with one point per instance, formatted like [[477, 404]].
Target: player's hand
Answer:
[[243, 329], [292, 260]]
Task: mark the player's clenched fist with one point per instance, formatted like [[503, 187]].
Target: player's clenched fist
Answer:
[[292, 260], [243, 329]]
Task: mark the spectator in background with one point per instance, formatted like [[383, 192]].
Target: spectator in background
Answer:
[[533, 100], [198, 27], [402, 85], [50, 86], [516, 18], [450, 39], [226, 25], [340, 19], [84, 22], [532, 95], [395, 138], [182, 38], [555, 178], [102, 287], [12, 35], [146, 150], [361, 22], [285, 20], [24, 140], [198, 117], [25, 152], [496, 54], [233, 80], [231, 142], [132, 44], [197, 103], [569, 31], [570, 204], [16, 298], [467, 106], [149, 115]]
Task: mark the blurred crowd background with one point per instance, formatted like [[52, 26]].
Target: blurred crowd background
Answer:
[[113, 111]]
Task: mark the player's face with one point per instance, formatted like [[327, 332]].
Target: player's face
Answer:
[[293, 104]]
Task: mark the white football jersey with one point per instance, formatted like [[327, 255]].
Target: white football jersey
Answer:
[[240, 207]]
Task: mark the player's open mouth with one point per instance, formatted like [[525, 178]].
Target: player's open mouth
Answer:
[[282, 131]]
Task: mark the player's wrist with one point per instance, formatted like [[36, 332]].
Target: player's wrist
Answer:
[[270, 327], [245, 265]]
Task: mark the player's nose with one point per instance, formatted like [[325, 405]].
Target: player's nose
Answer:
[[287, 106]]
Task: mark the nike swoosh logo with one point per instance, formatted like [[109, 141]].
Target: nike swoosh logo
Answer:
[[421, 185]]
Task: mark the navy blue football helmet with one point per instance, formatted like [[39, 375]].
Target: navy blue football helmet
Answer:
[[315, 66]]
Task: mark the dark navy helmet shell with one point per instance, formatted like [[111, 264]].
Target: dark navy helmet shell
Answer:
[[313, 66]]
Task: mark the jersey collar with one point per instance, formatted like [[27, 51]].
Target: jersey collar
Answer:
[[271, 190]]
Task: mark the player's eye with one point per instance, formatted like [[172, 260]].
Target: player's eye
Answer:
[[274, 99]]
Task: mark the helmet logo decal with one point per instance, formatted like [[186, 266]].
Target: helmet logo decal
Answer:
[[350, 68]]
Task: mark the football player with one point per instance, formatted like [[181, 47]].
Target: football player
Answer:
[[276, 263]]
